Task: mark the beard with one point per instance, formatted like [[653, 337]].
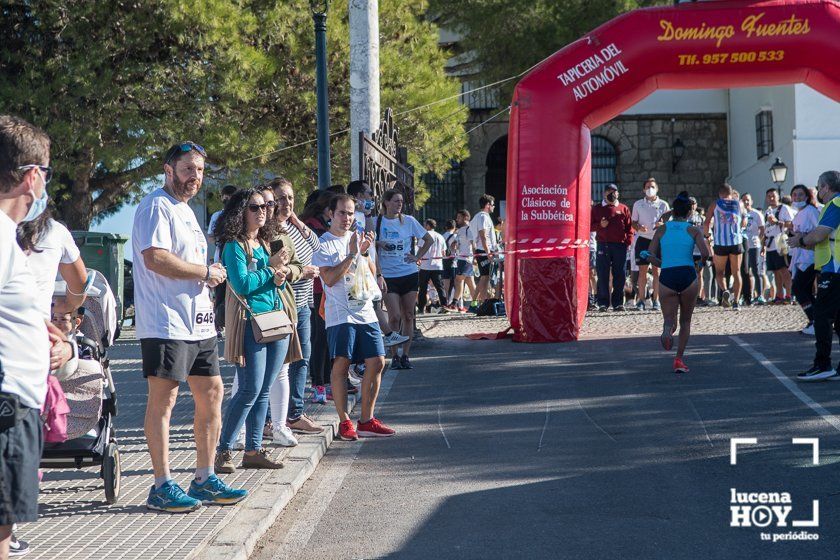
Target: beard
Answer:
[[185, 189]]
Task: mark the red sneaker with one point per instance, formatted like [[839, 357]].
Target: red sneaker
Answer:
[[679, 366], [373, 428], [462, 310], [346, 431]]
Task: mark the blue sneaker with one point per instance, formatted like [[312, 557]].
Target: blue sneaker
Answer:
[[216, 493], [171, 498]]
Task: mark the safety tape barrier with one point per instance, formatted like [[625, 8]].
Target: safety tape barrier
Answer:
[[564, 244]]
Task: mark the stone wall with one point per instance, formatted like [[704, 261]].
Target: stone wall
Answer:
[[644, 145]]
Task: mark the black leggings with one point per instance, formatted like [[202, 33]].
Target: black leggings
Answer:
[[320, 364], [803, 289], [435, 277]]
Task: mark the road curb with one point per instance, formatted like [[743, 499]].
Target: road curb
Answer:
[[249, 521]]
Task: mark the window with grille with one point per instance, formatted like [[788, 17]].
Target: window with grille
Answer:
[[604, 163], [764, 133], [446, 195]]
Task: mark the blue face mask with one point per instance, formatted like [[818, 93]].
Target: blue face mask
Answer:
[[368, 205], [38, 206]]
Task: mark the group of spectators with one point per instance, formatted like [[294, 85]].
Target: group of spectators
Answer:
[[752, 262], [344, 277]]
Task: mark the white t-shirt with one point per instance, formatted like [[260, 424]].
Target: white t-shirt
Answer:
[[397, 236], [24, 344], [483, 221], [772, 231], [464, 240], [165, 307], [647, 213], [755, 220], [339, 307], [805, 221], [56, 247], [433, 259]]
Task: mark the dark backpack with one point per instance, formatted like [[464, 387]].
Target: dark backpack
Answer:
[[487, 308]]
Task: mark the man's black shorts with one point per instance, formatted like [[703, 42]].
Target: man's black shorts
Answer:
[[726, 250], [177, 359], [402, 285], [485, 267], [642, 244], [20, 454], [776, 261]]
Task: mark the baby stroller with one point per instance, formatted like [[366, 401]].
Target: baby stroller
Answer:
[[90, 392]]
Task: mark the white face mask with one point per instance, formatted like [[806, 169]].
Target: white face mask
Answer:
[[799, 205], [650, 192]]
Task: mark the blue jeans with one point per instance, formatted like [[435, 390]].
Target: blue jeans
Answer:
[[262, 365], [299, 371]]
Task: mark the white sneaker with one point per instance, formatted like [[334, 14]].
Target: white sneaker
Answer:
[[393, 339], [284, 436], [809, 330], [356, 374]]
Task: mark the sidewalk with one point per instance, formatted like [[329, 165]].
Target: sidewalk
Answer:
[[76, 523]]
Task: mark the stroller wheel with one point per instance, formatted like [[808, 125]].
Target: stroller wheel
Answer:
[[111, 473]]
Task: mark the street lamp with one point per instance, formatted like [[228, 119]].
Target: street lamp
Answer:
[[319, 15], [778, 172]]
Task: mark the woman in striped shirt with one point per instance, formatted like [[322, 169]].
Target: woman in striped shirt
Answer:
[[306, 243]]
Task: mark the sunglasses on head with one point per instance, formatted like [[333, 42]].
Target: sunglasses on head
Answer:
[[257, 207], [183, 148]]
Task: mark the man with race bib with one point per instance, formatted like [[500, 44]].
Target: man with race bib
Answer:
[[176, 329]]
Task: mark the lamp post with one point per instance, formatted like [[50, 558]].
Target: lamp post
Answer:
[[778, 172], [319, 15]]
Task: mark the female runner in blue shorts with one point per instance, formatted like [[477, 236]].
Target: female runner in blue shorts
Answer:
[[672, 251]]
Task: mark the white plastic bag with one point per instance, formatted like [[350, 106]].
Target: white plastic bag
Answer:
[[364, 286]]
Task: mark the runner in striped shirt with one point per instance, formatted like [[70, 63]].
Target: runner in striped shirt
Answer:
[[728, 217]]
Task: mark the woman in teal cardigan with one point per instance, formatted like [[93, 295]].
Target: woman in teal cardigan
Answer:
[[255, 277]]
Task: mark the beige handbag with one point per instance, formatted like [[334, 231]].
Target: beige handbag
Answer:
[[268, 326]]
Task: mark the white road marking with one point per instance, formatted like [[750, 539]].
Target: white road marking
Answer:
[[542, 435], [594, 423], [789, 384], [310, 515], [441, 428], [701, 421]]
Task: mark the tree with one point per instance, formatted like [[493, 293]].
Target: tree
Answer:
[[116, 82], [503, 38]]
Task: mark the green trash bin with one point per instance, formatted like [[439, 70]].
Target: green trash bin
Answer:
[[104, 252]]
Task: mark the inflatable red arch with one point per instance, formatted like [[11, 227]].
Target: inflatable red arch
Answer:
[[690, 46]]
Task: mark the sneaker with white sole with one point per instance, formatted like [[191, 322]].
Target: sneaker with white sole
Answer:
[[356, 374], [284, 437], [726, 299], [393, 339], [17, 547], [817, 374]]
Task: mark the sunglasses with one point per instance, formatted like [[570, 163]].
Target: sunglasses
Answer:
[[257, 207], [47, 171], [183, 148]]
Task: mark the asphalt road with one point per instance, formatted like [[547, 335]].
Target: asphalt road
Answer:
[[585, 450]]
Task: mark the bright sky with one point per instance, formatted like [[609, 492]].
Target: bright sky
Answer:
[[121, 223]]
